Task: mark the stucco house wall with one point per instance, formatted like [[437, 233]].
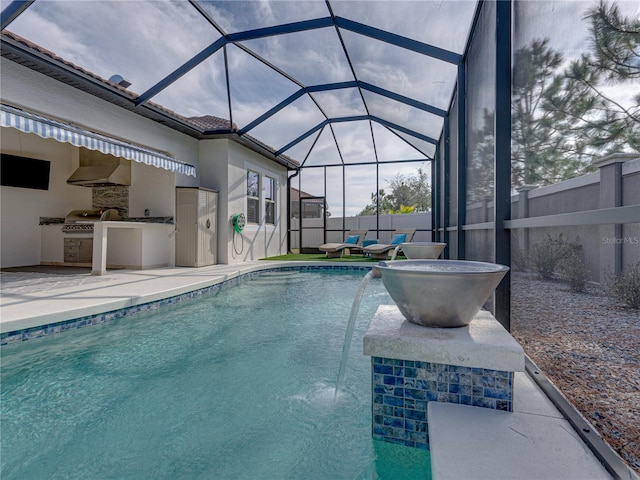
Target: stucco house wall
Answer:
[[219, 163], [223, 167], [23, 87], [21, 208], [259, 239]]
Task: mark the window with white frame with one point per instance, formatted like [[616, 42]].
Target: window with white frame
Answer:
[[269, 200], [253, 197], [261, 197]]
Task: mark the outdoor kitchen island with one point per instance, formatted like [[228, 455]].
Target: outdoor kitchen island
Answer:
[[132, 243]]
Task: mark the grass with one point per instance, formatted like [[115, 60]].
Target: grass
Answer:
[[321, 257]]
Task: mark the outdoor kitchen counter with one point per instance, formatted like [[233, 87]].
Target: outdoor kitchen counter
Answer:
[[60, 220], [53, 250], [132, 245], [167, 220]]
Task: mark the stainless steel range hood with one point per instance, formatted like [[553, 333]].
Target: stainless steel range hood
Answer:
[[100, 170], [101, 175]]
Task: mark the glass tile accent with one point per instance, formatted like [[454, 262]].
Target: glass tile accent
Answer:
[[401, 390]]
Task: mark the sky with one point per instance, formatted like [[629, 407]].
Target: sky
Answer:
[[144, 41]]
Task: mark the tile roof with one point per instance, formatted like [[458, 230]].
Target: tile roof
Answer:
[[209, 122], [53, 56]]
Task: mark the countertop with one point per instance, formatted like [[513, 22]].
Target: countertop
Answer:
[[60, 220]]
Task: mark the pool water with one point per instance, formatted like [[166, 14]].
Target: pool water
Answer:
[[234, 385]]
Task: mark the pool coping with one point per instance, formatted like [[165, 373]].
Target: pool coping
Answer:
[[36, 314]]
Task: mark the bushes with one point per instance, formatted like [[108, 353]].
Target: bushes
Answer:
[[574, 269], [555, 256], [546, 255], [626, 286]]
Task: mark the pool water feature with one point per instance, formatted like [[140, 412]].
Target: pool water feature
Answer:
[[440, 293], [348, 336], [237, 384]]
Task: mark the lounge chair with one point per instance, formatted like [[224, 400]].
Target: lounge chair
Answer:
[[352, 242], [381, 250]]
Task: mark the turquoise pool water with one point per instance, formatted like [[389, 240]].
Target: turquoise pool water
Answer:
[[234, 385]]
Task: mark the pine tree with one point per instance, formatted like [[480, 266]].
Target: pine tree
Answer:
[[562, 120], [614, 59], [603, 124], [545, 147]]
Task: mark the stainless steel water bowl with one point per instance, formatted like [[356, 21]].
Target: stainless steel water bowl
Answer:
[[440, 293], [427, 250]]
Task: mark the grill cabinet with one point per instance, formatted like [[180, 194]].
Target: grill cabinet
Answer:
[[78, 250]]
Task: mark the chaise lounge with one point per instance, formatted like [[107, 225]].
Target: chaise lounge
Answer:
[[381, 250], [352, 242]]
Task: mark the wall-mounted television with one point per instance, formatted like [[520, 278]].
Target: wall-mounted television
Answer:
[[24, 172]]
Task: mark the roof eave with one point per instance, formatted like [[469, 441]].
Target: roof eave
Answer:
[[15, 51], [251, 144]]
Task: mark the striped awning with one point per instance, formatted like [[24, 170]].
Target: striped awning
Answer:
[[62, 132]]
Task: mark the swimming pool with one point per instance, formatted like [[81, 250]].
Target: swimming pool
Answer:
[[232, 385]]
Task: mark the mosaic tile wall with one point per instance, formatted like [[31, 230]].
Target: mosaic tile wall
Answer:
[[401, 390], [112, 197], [41, 331]]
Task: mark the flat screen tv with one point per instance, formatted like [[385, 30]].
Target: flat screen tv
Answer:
[[24, 172]]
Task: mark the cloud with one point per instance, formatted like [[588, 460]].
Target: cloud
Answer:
[[441, 23], [139, 40], [239, 16]]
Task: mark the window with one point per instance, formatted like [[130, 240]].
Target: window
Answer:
[[269, 200], [261, 196], [253, 197]]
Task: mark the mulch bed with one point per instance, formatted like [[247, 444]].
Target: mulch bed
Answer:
[[589, 346]]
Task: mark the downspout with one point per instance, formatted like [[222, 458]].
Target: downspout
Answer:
[[289, 210]]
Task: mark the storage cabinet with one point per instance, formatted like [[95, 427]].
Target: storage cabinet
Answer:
[[196, 233]]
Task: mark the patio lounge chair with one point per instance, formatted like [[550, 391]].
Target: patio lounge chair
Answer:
[[381, 250], [352, 242]]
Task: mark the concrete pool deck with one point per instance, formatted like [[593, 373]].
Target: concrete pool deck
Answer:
[[534, 442], [30, 299]]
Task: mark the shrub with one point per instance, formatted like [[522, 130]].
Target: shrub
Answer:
[[574, 268], [519, 259], [545, 256], [626, 286]]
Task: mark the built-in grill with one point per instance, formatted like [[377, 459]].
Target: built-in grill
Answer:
[[81, 221]]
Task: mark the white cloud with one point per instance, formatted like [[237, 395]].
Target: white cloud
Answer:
[[139, 40]]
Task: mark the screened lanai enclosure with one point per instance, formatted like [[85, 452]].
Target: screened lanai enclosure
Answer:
[[508, 129]]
